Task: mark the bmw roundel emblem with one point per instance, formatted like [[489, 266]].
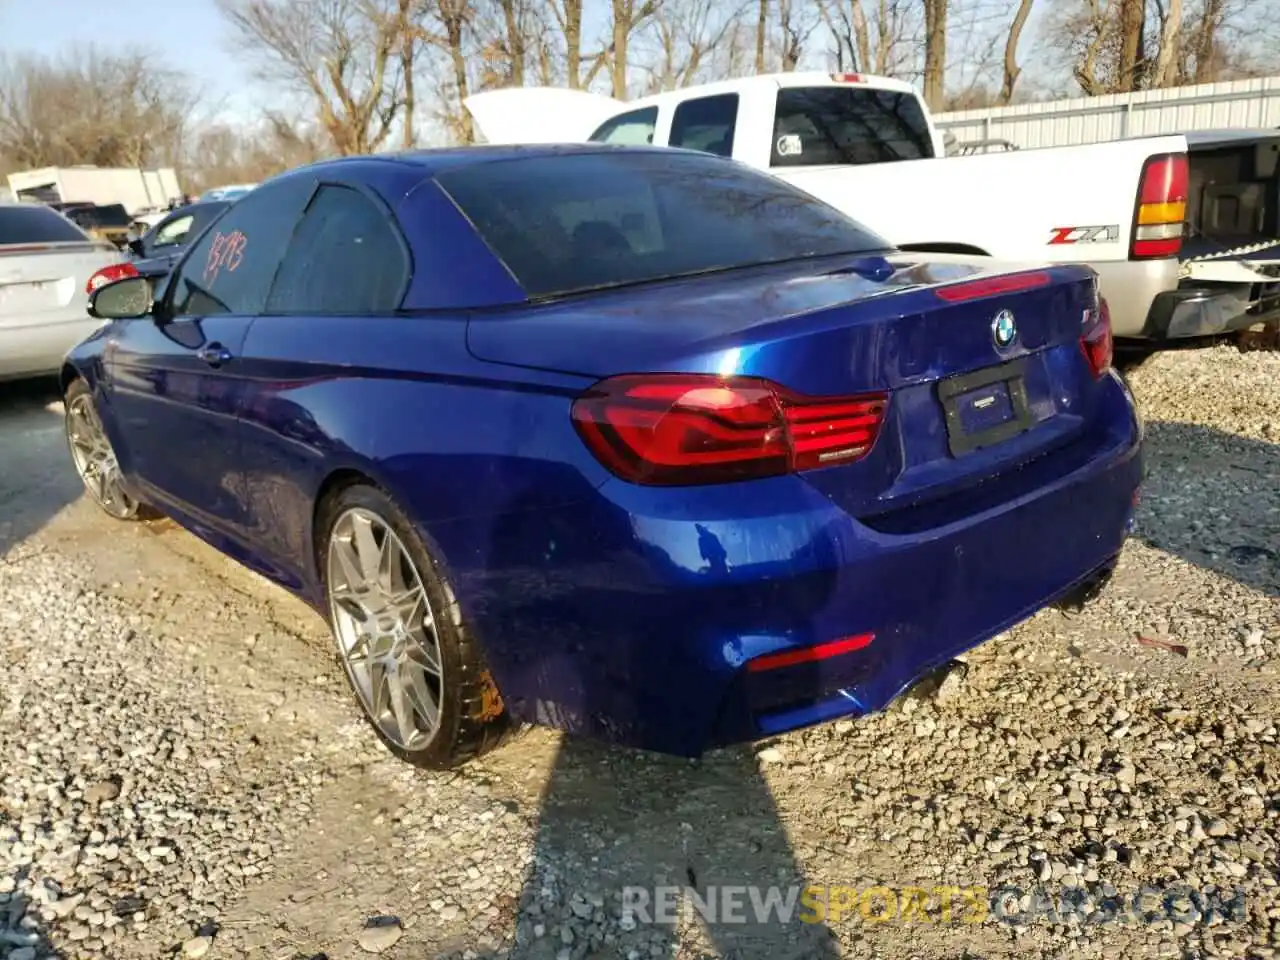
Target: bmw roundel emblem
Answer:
[[1003, 328]]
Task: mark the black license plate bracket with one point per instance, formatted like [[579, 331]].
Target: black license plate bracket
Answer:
[[986, 407]]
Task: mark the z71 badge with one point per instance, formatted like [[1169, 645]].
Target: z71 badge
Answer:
[[1104, 234]]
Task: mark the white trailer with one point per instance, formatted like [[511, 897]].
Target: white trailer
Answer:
[[135, 189]]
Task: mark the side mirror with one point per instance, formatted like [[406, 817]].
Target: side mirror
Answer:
[[126, 299], [136, 248]]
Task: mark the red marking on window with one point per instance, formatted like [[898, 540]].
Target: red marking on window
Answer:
[[226, 252]]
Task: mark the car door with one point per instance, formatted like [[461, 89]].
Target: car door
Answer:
[[176, 381], [341, 281]]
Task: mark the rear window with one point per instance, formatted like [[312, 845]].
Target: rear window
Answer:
[[112, 215], [564, 224], [35, 224], [814, 126]]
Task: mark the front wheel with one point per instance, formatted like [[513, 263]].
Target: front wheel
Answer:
[[93, 456], [401, 638]]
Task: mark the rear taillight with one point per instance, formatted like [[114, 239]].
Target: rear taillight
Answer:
[[1162, 208], [684, 429], [847, 78], [1096, 341], [116, 271], [991, 286]]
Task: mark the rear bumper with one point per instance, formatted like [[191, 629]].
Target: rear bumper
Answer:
[[630, 616], [1131, 287], [1211, 310], [37, 349]]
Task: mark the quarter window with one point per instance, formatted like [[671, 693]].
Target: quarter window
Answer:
[[344, 259]]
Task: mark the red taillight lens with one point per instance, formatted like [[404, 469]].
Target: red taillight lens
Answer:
[[991, 286], [1096, 342], [1162, 208], [683, 429], [117, 271], [847, 77]]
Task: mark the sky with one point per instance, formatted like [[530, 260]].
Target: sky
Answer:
[[187, 34]]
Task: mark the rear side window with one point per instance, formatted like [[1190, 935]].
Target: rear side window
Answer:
[[813, 126], [112, 215], [35, 224], [345, 258], [174, 231], [706, 124], [229, 270], [564, 224], [634, 128]]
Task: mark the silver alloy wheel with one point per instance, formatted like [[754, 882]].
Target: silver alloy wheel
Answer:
[[94, 459], [385, 628]]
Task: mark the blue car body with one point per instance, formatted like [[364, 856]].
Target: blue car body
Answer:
[[616, 609]]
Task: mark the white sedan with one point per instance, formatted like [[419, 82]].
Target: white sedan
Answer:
[[47, 265]]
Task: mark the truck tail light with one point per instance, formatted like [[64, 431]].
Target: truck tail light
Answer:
[[1158, 221], [686, 429]]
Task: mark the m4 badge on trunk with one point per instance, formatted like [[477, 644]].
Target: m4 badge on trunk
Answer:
[[1004, 330]]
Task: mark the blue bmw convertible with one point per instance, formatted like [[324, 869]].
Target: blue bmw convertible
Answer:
[[634, 442]]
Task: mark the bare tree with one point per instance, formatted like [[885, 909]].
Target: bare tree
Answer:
[[223, 154], [1165, 73], [346, 56], [762, 33], [1011, 68], [449, 25], [1132, 20], [108, 109], [935, 52], [677, 48]]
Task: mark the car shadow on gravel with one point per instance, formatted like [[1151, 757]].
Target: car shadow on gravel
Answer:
[[622, 833], [22, 932], [1213, 499], [37, 479]]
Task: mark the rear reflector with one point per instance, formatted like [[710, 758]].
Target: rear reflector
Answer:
[[110, 274], [1096, 341], [991, 286], [823, 651], [1162, 208], [684, 429]]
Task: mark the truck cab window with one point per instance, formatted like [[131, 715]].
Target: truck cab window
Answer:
[[633, 129], [706, 124], [818, 126]]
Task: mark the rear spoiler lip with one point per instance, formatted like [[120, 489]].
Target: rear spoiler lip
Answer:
[[69, 246]]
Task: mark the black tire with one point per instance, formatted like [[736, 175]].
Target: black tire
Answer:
[[127, 506], [473, 718]]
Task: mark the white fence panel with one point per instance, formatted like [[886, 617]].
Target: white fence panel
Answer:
[[1207, 106]]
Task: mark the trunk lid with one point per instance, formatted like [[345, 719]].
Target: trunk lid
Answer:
[[962, 405], [40, 282]]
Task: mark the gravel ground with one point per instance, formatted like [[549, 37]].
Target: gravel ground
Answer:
[[183, 771]]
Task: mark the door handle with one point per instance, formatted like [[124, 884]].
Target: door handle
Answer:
[[215, 354]]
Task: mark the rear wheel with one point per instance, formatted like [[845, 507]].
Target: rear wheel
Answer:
[[408, 655], [93, 456]]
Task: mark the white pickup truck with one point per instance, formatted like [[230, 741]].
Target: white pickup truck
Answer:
[[1144, 213]]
